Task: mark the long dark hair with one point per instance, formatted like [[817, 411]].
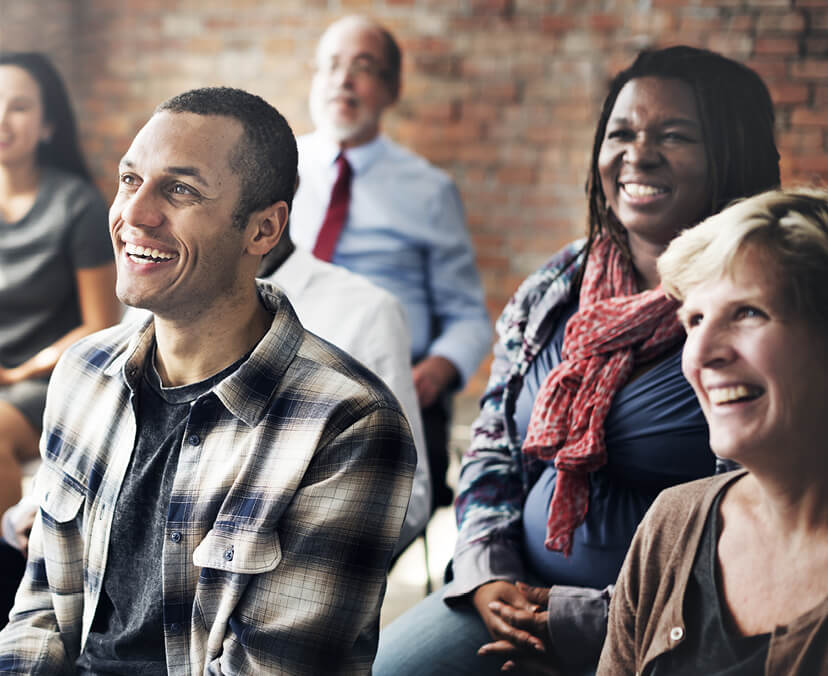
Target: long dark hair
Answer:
[[62, 150], [737, 120]]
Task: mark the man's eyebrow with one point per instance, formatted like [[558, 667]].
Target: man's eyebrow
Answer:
[[367, 56], [188, 171], [178, 171], [362, 56]]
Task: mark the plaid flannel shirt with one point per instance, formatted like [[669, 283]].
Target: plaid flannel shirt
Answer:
[[291, 489]]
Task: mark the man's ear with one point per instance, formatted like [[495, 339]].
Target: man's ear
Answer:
[[266, 227], [394, 92]]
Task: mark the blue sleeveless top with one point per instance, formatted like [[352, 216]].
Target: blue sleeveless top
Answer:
[[656, 437]]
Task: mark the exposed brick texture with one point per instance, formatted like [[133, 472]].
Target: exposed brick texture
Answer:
[[503, 94]]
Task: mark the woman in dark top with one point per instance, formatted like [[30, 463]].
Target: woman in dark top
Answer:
[[57, 278], [587, 416], [56, 271], [727, 575]]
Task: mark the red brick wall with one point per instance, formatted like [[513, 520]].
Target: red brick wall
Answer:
[[502, 93]]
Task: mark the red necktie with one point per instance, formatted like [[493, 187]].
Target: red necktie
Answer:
[[336, 213]]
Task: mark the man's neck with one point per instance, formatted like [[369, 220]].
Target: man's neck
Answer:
[[360, 139], [190, 351]]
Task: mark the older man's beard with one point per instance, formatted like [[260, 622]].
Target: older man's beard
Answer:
[[326, 121]]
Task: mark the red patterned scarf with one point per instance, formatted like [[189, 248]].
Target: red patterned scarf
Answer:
[[614, 328]]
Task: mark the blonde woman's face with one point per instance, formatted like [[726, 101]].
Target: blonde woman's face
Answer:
[[757, 371], [22, 124]]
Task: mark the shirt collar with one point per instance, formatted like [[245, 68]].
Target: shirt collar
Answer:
[[247, 392], [360, 157]]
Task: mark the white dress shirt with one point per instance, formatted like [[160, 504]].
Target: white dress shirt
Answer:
[[369, 324]]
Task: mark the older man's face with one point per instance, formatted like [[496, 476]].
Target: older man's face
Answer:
[[350, 91]]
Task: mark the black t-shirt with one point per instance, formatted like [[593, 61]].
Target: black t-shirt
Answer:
[[713, 646], [127, 634]]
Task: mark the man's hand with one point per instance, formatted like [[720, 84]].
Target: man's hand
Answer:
[[520, 630], [17, 524], [432, 376], [23, 529]]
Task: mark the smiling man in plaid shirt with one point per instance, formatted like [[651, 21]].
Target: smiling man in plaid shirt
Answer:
[[221, 491]]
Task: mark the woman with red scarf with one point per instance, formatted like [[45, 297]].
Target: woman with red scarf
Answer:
[[587, 416]]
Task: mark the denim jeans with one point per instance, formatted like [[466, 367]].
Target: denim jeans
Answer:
[[432, 639]]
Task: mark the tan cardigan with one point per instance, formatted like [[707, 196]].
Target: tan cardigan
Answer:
[[645, 618]]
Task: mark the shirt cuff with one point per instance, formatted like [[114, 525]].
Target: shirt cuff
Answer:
[[481, 563], [577, 623], [464, 348]]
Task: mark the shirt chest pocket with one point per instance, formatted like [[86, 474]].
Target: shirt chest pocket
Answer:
[[243, 552], [61, 516], [62, 499]]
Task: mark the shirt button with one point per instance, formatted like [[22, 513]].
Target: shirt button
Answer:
[[228, 554], [676, 634], [175, 536], [175, 627], [194, 440]]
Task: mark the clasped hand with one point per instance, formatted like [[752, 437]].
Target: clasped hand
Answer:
[[516, 617]]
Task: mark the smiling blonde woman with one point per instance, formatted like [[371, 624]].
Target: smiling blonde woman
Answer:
[[727, 575]]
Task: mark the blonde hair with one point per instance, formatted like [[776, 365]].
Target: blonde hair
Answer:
[[789, 230]]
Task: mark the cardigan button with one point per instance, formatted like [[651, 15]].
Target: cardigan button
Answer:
[[676, 634]]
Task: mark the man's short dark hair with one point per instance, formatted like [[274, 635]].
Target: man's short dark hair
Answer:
[[266, 158], [393, 61]]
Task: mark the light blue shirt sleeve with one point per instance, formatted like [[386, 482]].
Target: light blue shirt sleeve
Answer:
[[465, 333]]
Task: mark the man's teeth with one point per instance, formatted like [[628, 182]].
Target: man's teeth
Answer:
[[641, 190], [724, 395], [136, 250]]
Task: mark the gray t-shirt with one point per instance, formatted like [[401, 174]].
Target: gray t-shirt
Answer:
[[65, 230]]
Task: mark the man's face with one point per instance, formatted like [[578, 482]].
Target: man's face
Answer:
[[176, 250], [349, 91]]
